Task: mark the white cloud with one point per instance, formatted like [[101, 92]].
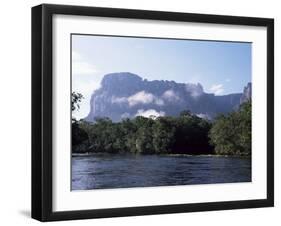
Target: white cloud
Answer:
[[159, 101], [141, 97], [170, 95], [151, 113], [217, 89], [80, 66], [125, 115], [195, 90], [204, 116], [119, 100]]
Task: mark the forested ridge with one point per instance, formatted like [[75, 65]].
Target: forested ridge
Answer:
[[187, 133]]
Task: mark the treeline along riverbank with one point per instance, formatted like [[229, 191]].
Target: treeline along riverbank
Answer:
[[186, 134]]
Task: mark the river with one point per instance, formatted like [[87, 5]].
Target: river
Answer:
[[100, 171]]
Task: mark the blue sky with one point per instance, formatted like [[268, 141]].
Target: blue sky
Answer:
[[221, 67]]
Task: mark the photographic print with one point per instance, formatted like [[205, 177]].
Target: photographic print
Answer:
[[138, 112], [159, 112]]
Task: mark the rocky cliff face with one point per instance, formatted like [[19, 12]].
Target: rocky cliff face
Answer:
[[247, 93], [126, 95]]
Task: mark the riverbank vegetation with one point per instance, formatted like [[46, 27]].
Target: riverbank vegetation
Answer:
[[185, 134], [231, 134]]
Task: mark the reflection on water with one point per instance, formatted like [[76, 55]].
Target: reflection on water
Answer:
[[124, 171]]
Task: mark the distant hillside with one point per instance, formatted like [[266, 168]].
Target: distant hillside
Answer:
[[126, 95]]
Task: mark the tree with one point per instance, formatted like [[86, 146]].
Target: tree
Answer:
[[231, 134], [185, 113], [76, 98], [79, 136], [163, 135], [245, 128], [186, 134], [192, 135]]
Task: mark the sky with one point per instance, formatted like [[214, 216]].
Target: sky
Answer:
[[221, 67]]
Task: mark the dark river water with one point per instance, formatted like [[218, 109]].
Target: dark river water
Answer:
[[124, 171]]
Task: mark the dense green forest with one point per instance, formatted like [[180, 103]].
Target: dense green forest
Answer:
[[186, 134], [231, 134]]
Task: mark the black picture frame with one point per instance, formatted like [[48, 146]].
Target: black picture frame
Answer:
[[42, 197]]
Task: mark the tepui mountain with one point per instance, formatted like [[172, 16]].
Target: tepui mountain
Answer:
[[127, 95]]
